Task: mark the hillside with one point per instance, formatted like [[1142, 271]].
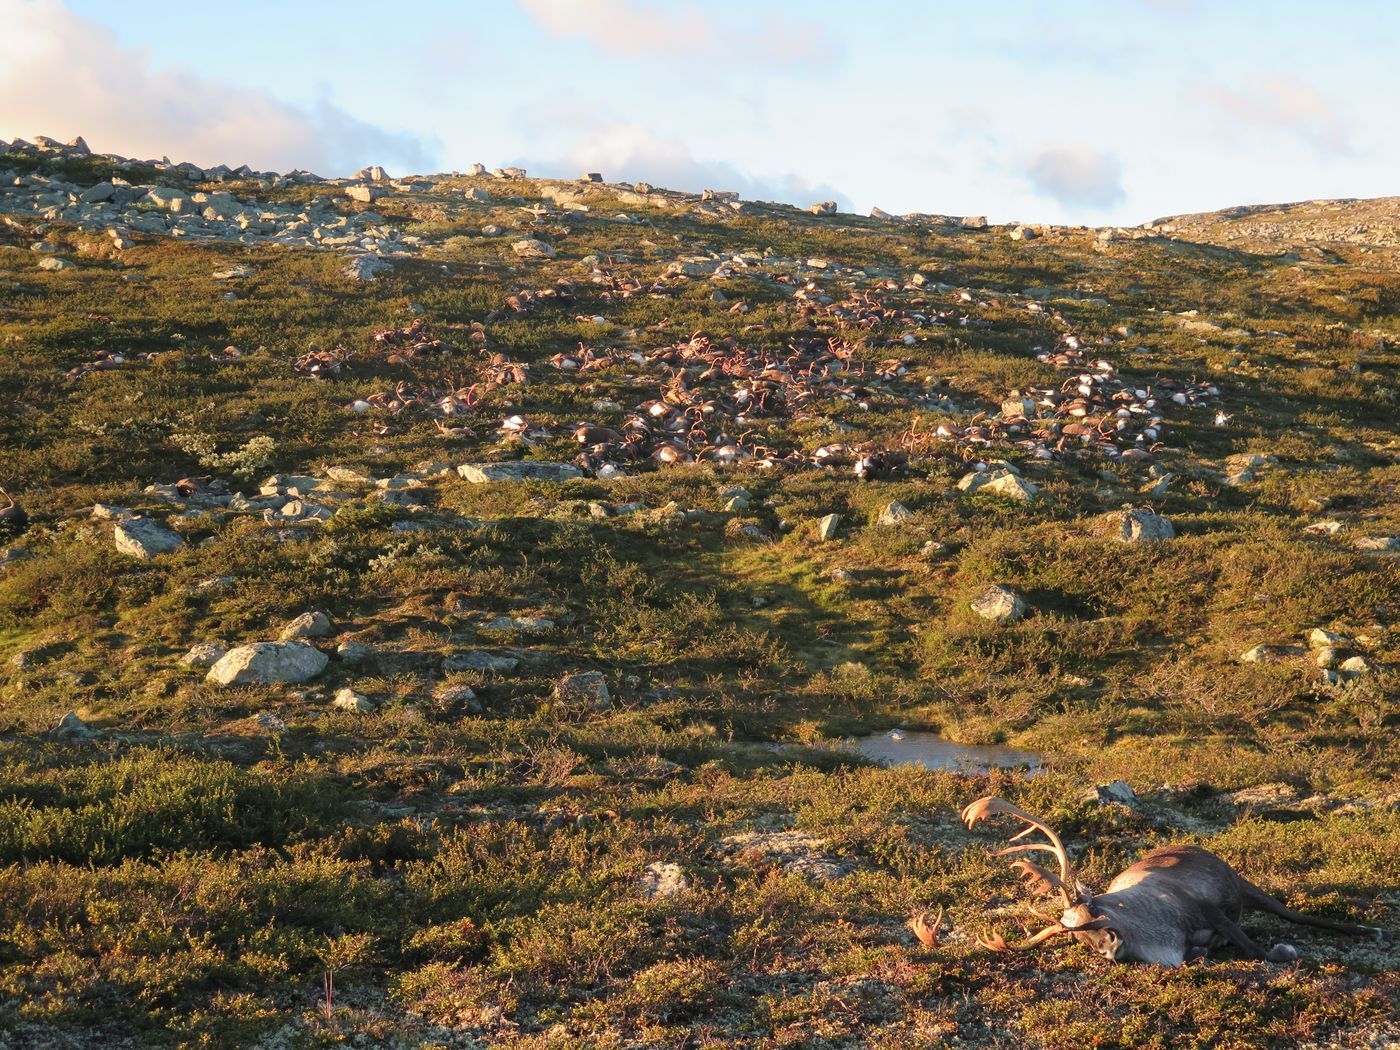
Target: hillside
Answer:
[[579, 526]]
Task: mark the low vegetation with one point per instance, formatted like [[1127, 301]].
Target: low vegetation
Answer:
[[199, 864]]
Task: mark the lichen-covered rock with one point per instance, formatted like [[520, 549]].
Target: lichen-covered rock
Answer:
[[72, 729], [349, 700], [524, 470], [999, 604], [999, 483], [1138, 526], [143, 538], [204, 654], [315, 624], [518, 624], [263, 663], [1270, 654], [479, 660], [895, 513], [662, 879], [586, 685]]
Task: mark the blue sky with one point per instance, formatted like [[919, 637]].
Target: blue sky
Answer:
[[1068, 111]]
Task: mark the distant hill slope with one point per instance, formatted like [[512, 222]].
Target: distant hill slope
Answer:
[[1370, 223]]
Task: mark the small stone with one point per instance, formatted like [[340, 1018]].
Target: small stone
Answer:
[[308, 625], [1354, 666], [841, 576], [479, 660], [1019, 407], [95, 194], [363, 194], [268, 662], [349, 700], [585, 685], [143, 538], [662, 879], [1022, 233], [973, 222], [1327, 657], [72, 728], [523, 470], [204, 654], [1383, 544], [1320, 639], [826, 528], [355, 653], [1139, 526], [895, 513], [521, 624], [448, 695], [999, 604], [1270, 654], [823, 208], [1119, 791], [532, 248], [348, 476], [366, 268], [1001, 483]]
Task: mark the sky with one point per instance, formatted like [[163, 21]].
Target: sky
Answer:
[[1107, 112]]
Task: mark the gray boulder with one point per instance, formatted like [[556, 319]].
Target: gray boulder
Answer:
[[894, 513], [999, 604], [72, 728], [349, 700], [315, 624], [356, 653], [1000, 483], [1139, 526], [143, 538], [479, 660], [662, 879], [263, 663], [590, 686], [533, 248], [366, 268], [94, 194], [480, 473], [204, 654], [1119, 791]]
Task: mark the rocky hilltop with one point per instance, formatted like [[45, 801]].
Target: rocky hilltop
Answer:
[[1372, 225], [451, 609]]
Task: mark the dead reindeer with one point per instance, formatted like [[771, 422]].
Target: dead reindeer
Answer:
[[1174, 904]]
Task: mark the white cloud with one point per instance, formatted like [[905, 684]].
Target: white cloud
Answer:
[[1077, 176], [62, 75], [637, 29], [626, 152], [1278, 102]]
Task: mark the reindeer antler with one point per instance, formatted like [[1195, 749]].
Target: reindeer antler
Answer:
[[995, 942], [1037, 878]]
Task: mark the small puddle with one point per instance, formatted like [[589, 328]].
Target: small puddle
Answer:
[[905, 747]]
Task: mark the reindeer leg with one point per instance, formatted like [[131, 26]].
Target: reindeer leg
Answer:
[[1227, 927]]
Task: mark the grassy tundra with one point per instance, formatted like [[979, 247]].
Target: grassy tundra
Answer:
[[494, 870]]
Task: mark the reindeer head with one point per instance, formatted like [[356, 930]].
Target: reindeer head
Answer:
[[1080, 919]]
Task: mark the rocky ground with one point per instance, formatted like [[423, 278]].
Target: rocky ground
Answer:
[[460, 588]]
